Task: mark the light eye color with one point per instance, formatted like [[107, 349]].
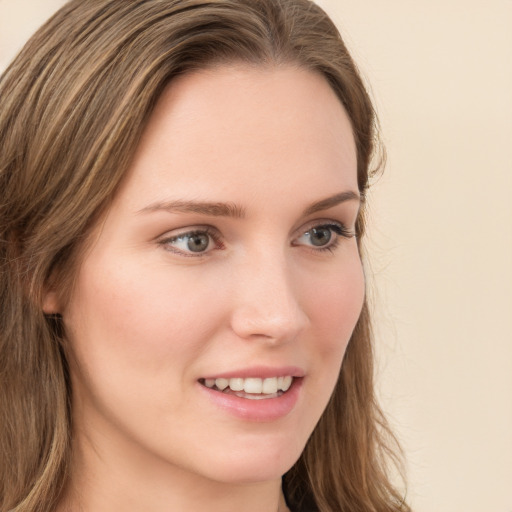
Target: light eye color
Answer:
[[192, 243], [202, 241], [324, 236], [319, 236]]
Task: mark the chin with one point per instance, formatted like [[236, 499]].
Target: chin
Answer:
[[262, 461]]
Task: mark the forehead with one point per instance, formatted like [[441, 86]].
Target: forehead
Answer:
[[238, 127]]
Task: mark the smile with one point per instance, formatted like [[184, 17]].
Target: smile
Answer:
[[252, 388]]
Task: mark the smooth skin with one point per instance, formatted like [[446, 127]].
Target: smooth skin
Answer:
[[169, 292]]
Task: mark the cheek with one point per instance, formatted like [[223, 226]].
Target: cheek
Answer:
[[134, 338], [135, 334], [144, 314], [336, 305], [334, 308]]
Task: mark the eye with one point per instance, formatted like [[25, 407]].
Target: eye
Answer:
[[192, 243], [324, 236]]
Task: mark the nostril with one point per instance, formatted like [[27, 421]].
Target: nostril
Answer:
[[276, 326]]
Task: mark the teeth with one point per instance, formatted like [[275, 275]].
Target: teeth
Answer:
[[270, 386], [236, 384], [287, 382], [253, 386], [222, 383]]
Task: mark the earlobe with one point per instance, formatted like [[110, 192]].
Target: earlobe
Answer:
[[51, 303]]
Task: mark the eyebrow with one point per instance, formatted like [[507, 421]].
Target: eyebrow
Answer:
[[215, 209], [332, 201], [219, 209]]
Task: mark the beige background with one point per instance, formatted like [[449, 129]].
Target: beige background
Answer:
[[441, 74]]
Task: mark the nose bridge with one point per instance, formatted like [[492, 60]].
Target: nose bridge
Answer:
[[266, 301]]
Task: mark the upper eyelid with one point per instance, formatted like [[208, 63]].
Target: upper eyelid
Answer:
[[166, 243], [342, 232], [189, 230], [177, 233], [323, 222]]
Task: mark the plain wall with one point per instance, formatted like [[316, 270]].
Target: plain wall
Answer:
[[441, 235], [441, 248]]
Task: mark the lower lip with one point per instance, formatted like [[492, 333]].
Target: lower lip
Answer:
[[264, 410]]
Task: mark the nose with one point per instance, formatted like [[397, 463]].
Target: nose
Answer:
[[267, 303]]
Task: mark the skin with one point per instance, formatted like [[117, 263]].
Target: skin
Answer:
[[146, 319]]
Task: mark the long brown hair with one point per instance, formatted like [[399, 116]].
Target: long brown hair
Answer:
[[73, 106]]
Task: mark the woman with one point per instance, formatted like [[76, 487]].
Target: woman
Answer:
[[184, 324]]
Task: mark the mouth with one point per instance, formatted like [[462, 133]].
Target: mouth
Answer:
[[257, 394], [252, 388]]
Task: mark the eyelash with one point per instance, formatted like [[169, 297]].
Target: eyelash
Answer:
[[339, 229], [211, 233]]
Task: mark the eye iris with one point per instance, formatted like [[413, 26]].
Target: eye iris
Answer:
[[320, 236], [198, 242]]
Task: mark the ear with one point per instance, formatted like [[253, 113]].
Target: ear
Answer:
[[51, 303]]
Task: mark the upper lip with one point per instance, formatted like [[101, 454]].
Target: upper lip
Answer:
[[262, 372]]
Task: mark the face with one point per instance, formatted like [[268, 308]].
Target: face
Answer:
[[213, 307]]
